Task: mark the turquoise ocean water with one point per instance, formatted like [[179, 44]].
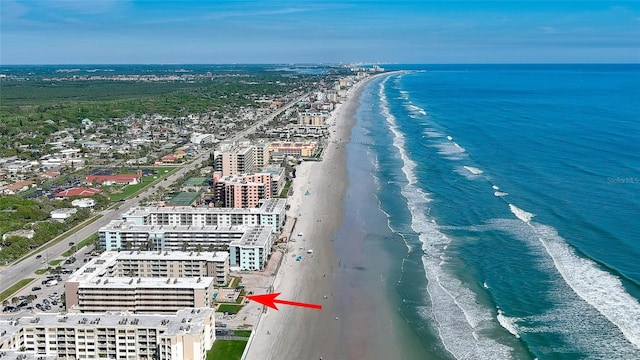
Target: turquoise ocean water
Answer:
[[511, 195]]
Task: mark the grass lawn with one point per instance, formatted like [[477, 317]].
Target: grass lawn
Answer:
[[41, 271], [229, 308], [130, 190], [242, 333], [285, 190], [17, 286], [55, 262], [226, 350], [234, 282]]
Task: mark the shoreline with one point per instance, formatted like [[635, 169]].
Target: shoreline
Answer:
[[317, 203]]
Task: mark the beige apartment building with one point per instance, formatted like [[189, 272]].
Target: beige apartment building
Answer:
[[114, 282], [280, 150], [312, 118], [184, 334], [87, 294], [238, 160]]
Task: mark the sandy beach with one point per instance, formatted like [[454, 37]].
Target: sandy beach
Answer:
[[317, 203]]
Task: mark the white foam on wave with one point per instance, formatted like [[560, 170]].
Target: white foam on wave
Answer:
[[449, 137], [508, 323], [459, 319], [469, 172], [521, 214], [600, 289], [495, 187], [474, 170], [414, 110], [450, 150], [500, 193], [432, 133], [585, 327]]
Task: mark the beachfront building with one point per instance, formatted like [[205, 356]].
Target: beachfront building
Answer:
[[280, 150], [120, 234], [138, 295], [278, 178], [90, 289], [271, 212], [238, 160], [260, 154], [312, 118], [184, 334], [164, 264], [252, 251], [244, 191]]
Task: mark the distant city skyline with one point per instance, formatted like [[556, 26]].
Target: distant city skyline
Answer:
[[225, 32]]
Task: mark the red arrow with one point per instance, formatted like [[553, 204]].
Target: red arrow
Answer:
[[271, 301]]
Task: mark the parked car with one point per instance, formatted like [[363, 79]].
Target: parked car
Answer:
[[36, 288]]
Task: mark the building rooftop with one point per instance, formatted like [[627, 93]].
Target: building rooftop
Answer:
[[123, 225], [185, 322], [273, 206], [92, 274], [98, 282], [268, 206], [254, 237], [169, 255], [78, 191]]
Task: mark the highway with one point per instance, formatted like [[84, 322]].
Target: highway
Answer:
[[13, 273]]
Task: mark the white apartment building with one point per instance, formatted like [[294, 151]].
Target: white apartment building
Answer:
[[252, 251], [120, 234], [271, 212], [185, 334], [163, 264]]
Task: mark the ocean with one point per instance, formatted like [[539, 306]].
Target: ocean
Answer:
[[504, 200]]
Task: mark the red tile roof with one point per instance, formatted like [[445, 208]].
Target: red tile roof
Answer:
[[19, 185], [80, 191]]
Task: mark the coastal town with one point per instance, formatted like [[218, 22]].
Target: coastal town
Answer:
[[141, 237]]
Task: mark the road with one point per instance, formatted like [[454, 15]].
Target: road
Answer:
[[13, 273]]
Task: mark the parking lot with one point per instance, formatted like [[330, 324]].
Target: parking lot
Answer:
[[45, 293]]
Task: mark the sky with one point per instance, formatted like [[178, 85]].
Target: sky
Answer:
[[275, 31]]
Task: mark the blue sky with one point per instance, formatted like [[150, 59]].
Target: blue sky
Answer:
[[419, 31]]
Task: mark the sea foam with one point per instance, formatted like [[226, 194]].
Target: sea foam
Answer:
[[597, 287], [508, 323], [459, 318], [521, 214]]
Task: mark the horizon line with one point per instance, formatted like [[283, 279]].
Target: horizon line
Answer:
[[335, 63]]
